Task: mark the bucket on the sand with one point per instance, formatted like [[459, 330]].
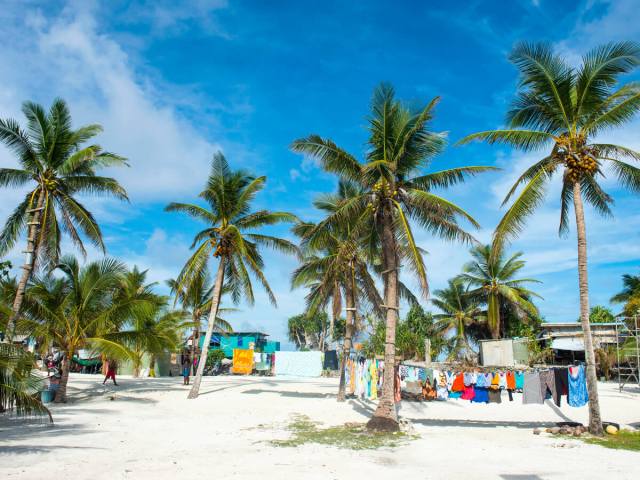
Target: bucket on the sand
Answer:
[[46, 396]]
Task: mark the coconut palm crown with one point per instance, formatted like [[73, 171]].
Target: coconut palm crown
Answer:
[[494, 277], [57, 164], [393, 194], [563, 110], [230, 238], [460, 312]]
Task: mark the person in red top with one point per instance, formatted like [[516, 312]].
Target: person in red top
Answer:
[[112, 366]]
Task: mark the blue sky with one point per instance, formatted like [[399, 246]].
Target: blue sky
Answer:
[[172, 82]]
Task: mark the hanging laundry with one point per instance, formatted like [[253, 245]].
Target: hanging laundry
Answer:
[[502, 382], [481, 395], [458, 383], [470, 378], [562, 382], [468, 393], [548, 386], [578, 394], [495, 395], [242, 361], [442, 390], [519, 380], [531, 391]]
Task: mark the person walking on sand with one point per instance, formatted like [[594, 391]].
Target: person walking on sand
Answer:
[[186, 370], [111, 372]]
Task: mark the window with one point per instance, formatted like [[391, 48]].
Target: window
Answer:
[[240, 341], [215, 341]]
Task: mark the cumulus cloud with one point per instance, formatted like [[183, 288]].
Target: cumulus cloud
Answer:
[[70, 57]]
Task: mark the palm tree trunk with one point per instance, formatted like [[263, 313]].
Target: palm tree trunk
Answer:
[[61, 393], [152, 366], [348, 333], [215, 304], [29, 263], [385, 417], [494, 315], [137, 363], [595, 422], [194, 340]]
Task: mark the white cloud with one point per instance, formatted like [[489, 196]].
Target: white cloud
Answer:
[[169, 17], [295, 174], [69, 56]]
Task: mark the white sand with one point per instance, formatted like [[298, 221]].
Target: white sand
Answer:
[[151, 431]]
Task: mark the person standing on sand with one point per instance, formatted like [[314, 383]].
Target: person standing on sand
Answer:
[[186, 370], [112, 366]]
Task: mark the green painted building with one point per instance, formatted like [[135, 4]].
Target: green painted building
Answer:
[[242, 340]]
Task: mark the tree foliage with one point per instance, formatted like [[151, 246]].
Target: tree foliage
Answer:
[[311, 331], [494, 282], [57, 163]]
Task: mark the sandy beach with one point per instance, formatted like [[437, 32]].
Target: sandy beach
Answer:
[[151, 431]]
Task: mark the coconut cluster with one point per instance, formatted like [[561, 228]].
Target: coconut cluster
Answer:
[[578, 158], [222, 246]]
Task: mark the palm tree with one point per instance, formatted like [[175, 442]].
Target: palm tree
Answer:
[[335, 270], [19, 384], [399, 146], [153, 333], [56, 161], [80, 310], [460, 312], [563, 109], [630, 289], [493, 275], [196, 301], [229, 195], [149, 328]]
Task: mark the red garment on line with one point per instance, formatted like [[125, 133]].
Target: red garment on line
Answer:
[[458, 383]]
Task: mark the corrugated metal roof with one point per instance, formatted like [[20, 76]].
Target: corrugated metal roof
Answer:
[[569, 343]]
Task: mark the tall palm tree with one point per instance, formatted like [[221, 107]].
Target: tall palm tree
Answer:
[[494, 277], [80, 310], [337, 269], [460, 311], [196, 301], [228, 238], [563, 109], [399, 147], [55, 160]]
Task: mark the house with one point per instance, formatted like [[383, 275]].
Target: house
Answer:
[[567, 339], [227, 342]]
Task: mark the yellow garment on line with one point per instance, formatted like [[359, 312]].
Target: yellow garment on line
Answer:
[[373, 370], [242, 362], [352, 377]]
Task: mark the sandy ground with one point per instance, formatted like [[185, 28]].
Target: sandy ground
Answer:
[[151, 431]]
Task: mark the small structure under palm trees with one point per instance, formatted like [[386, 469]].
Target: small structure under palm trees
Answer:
[[228, 342]]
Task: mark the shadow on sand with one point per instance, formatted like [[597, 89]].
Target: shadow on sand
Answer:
[[290, 394]]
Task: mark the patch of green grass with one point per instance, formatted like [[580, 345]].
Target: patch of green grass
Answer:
[[624, 440], [353, 436]]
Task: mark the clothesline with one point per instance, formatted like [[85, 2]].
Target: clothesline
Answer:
[[476, 384]]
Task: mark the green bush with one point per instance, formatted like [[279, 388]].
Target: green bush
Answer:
[[215, 356]]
